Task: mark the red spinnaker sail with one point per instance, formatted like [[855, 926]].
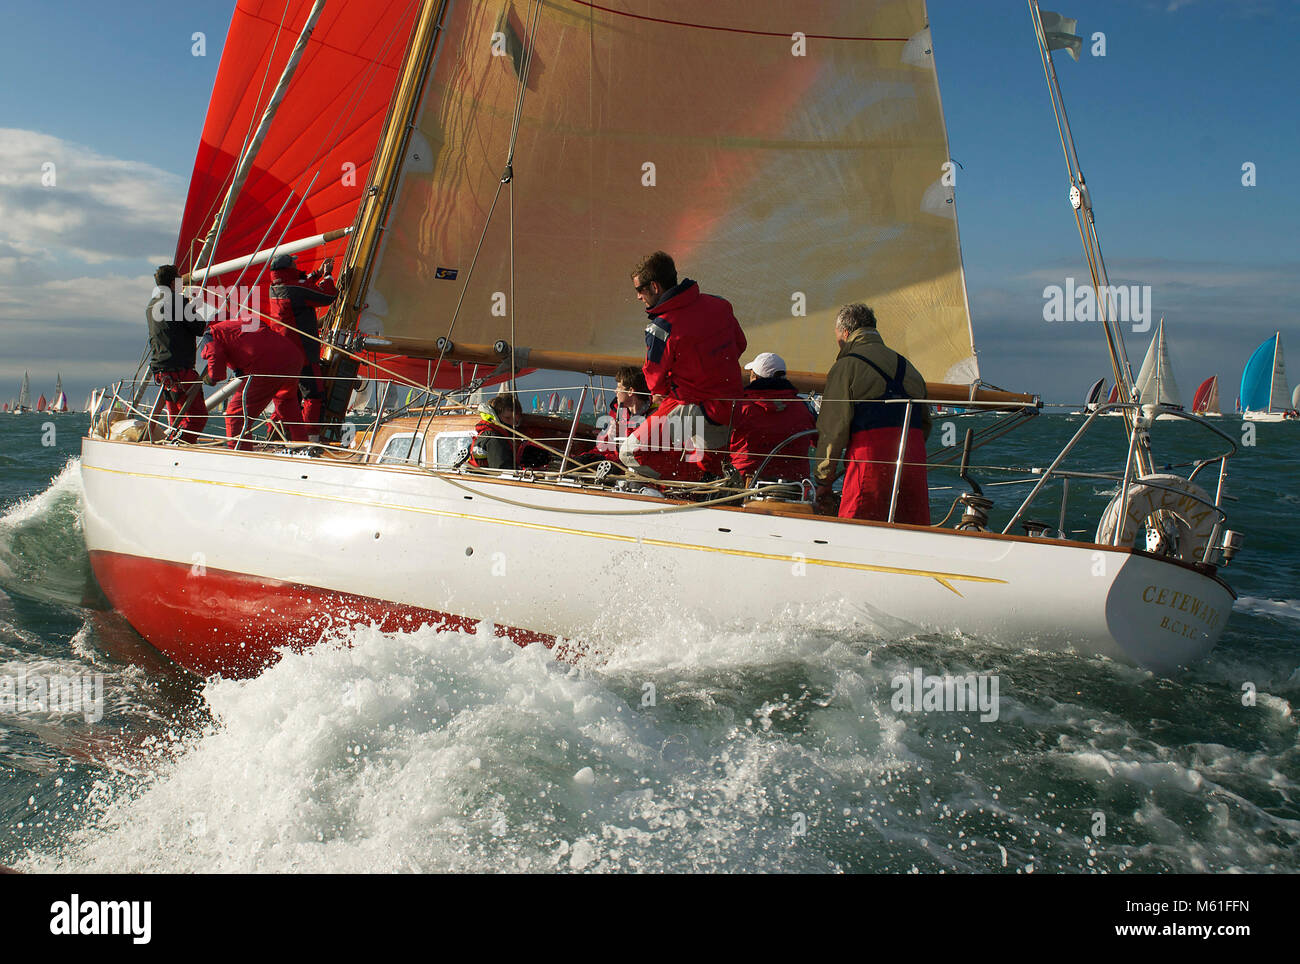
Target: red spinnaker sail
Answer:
[[1202, 397], [329, 122]]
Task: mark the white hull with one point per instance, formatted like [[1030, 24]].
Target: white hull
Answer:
[[1266, 417], [411, 538]]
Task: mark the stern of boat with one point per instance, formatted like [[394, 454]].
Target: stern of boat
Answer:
[[1166, 615]]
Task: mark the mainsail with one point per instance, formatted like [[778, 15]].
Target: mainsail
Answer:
[[790, 161], [1155, 381], [1263, 382], [25, 393], [1206, 399]]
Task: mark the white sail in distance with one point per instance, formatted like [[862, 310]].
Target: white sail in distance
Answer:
[[1280, 397], [1155, 381]]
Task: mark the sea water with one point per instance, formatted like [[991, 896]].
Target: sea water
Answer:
[[779, 748]]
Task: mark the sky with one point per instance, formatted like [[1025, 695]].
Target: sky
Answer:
[[1187, 92]]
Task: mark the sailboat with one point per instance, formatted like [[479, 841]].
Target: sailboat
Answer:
[[1092, 399], [1206, 400], [363, 399], [24, 397], [1155, 381], [42, 404], [493, 179], [1264, 393], [60, 403]]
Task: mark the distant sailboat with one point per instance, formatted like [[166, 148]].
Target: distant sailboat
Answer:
[[1155, 382], [1264, 393], [24, 397], [1092, 400], [42, 404], [60, 403], [1111, 399], [1206, 399], [363, 399]]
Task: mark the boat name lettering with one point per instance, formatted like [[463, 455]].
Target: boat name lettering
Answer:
[[1184, 603]]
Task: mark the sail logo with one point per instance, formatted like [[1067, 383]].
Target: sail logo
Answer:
[[68, 695], [1126, 304], [919, 693], [75, 917]]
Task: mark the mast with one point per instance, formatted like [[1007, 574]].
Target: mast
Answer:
[[372, 216], [1081, 201], [245, 165], [377, 202]]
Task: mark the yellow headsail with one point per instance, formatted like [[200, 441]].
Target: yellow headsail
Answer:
[[791, 160]]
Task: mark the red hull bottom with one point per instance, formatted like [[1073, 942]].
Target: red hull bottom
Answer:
[[215, 622]]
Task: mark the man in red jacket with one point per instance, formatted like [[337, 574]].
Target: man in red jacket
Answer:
[[295, 298], [692, 367], [271, 360], [769, 413]]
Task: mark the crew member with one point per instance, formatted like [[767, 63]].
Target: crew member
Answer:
[[692, 368], [271, 361], [867, 369], [295, 297], [630, 407], [499, 441], [769, 413], [174, 326]]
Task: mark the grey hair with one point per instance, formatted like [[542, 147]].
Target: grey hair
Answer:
[[855, 316]]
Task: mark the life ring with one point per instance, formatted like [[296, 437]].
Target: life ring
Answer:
[[1166, 507]]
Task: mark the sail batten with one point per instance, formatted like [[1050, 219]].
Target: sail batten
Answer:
[[789, 181]]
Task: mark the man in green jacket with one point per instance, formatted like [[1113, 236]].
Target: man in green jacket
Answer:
[[868, 370]]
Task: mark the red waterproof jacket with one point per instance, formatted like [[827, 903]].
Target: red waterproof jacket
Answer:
[[693, 348], [771, 412], [294, 301], [250, 347]]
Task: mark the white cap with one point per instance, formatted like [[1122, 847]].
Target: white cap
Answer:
[[767, 364]]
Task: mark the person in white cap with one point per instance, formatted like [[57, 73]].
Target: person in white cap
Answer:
[[770, 412]]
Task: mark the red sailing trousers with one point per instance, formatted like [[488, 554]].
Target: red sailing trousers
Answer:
[[259, 391], [193, 415], [869, 479]]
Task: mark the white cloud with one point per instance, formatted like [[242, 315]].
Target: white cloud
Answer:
[[98, 208]]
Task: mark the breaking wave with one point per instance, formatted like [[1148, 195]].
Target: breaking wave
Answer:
[[42, 552], [778, 751]]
